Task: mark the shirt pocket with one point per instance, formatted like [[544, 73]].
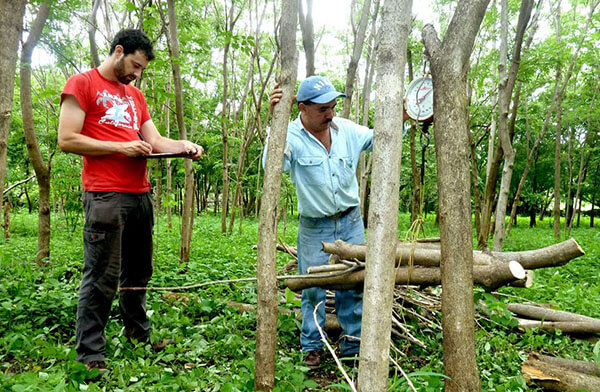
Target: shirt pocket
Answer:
[[347, 171], [311, 171]]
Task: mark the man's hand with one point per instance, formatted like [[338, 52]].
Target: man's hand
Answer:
[[276, 97], [192, 149], [135, 148]]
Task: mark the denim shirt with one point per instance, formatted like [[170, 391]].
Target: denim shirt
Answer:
[[325, 181]]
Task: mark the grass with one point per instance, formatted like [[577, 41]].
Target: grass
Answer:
[[214, 348]]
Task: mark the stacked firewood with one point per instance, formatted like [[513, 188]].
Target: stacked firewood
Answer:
[[418, 264], [417, 298]]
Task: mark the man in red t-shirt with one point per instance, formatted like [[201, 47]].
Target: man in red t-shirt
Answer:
[[106, 120]]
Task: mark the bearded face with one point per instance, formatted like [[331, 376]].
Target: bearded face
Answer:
[[129, 67], [122, 73]]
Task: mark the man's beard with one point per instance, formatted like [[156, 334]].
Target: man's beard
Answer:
[[120, 71]]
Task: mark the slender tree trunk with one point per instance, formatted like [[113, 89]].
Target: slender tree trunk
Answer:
[[308, 39], [505, 88], [92, 27], [449, 64], [266, 313], [557, 148], [11, 24], [42, 172], [359, 40], [364, 164], [230, 21], [387, 151], [187, 210]]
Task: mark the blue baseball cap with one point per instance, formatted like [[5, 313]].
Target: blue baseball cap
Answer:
[[317, 89]]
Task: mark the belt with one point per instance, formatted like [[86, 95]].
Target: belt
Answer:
[[341, 214]]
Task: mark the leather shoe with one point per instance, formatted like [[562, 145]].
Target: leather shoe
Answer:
[[100, 366], [161, 344], [313, 360]]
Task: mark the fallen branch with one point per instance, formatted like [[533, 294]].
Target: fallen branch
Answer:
[[428, 255], [489, 276], [536, 312], [555, 377], [584, 327]]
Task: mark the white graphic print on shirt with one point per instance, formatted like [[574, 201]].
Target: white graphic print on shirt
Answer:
[[116, 110]]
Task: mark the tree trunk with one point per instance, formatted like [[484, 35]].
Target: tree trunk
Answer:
[[505, 88], [11, 24], [92, 27], [387, 151], [308, 40], [359, 40], [187, 210], [449, 64], [266, 314], [557, 149], [42, 172], [364, 165]]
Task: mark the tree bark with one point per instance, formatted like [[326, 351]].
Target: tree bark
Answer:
[[557, 378], [42, 172], [11, 24], [387, 151], [584, 367], [359, 40], [308, 39], [449, 64], [364, 167], [266, 315], [188, 199], [505, 88], [537, 312], [92, 27], [429, 255], [490, 276]]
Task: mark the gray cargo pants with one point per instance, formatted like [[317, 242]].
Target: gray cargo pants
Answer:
[[117, 250]]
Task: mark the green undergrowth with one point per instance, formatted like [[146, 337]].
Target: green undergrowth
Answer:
[[215, 344]]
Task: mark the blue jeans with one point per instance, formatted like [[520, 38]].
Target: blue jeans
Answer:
[[348, 303]]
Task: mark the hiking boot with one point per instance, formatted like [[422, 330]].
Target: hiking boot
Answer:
[[161, 344], [100, 366], [313, 360]]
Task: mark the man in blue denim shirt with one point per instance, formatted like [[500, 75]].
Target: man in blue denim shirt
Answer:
[[321, 154]]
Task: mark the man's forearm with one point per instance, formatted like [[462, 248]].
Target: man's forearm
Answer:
[[85, 145]]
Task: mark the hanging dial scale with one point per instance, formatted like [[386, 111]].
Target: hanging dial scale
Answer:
[[419, 99]]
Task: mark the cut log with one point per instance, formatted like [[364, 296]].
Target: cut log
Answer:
[[525, 282], [426, 254], [551, 256], [585, 367], [536, 312], [489, 276], [429, 255], [583, 327], [557, 378]]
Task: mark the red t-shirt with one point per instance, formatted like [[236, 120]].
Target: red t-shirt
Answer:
[[114, 112]]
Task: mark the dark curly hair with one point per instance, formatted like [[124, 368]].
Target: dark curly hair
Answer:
[[132, 40]]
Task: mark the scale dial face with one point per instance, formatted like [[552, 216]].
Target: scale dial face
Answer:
[[419, 99]]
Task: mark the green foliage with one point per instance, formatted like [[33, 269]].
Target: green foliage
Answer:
[[214, 348]]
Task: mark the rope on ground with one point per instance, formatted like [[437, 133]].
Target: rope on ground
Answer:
[[226, 281], [337, 361], [410, 384]]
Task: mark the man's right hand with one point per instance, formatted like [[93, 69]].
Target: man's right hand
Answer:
[[275, 97], [135, 148]]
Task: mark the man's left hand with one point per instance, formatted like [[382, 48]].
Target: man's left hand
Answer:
[[195, 151]]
